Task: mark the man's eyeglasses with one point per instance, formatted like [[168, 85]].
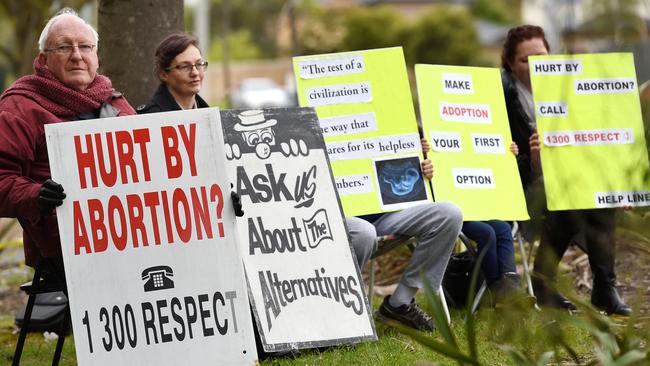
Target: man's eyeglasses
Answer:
[[66, 49], [187, 68]]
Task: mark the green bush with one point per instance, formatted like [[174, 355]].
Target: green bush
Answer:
[[444, 36], [375, 27]]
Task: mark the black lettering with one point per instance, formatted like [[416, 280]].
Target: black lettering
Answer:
[[176, 303], [204, 314], [162, 320], [190, 315], [222, 329], [148, 320]]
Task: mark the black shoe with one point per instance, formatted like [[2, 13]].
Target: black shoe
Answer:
[[410, 315], [555, 300], [605, 297], [507, 294], [551, 298]]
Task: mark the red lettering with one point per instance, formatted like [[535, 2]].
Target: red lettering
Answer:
[[215, 192], [125, 155], [80, 234], [115, 207], [178, 199], [151, 201], [168, 221], [172, 156], [190, 143], [85, 160], [96, 213], [109, 177], [141, 137], [121, 222], [136, 219], [201, 213]]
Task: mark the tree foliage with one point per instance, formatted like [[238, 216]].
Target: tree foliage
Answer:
[[617, 20], [259, 17], [321, 31], [241, 46], [443, 36], [374, 27], [490, 10], [22, 23]]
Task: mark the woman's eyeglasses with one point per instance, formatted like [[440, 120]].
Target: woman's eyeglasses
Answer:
[[187, 68]]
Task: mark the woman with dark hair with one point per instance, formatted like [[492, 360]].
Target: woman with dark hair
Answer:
[[180, 68], [593, 229]]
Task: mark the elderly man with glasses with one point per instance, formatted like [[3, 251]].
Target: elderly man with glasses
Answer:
[[64, 87]]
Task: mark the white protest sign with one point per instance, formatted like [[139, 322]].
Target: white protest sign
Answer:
[[149, 241], [305, 286]]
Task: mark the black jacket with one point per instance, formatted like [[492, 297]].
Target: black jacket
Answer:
[[163, 101], [519, 128]]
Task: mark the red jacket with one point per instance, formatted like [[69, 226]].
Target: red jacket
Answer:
[[24, 166]]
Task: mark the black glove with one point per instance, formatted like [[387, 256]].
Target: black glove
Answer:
[[50, 196], [236, 203]]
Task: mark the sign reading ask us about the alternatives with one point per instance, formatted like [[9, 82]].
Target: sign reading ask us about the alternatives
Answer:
[[364, 104], [149, 241], [304, 282], [465, 120], [589, 121]]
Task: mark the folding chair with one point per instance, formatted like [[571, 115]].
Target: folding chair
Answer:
[[525, 259], [43, 282], [516, 235], [483, 287], [386, 244]]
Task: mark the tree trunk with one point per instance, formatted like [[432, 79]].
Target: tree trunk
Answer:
[[129, 31]]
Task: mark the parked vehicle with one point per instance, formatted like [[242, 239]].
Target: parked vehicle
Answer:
[[261, 93]]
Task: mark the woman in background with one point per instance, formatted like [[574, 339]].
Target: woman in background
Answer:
[[180, 68], [558, 228]]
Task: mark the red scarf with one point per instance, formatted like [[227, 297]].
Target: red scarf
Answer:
[[46, 90]]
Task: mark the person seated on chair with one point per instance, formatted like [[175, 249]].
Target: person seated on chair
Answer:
[[180, 69], [435, 227], [559, 228], [65, 86], [498, 264]]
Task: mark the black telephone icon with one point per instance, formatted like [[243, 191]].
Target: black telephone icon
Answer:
[[157, 278]]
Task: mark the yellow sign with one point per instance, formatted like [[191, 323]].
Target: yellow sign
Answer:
[[365, 110], [465, 120], [589, 122]]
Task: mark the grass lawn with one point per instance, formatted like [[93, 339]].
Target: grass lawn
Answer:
[[392, 348]]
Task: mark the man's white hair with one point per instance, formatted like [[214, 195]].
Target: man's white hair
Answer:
[[65, 12]]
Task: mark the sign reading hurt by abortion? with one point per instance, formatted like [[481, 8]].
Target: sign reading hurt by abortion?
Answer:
[[589, 122], [149, 241]]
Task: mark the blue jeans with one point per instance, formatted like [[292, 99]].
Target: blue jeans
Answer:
[[496, 236]]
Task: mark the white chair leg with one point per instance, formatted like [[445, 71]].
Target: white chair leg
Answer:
[[527, 276], [441, 293], [524, 261], [479, 297], [371, 285]]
